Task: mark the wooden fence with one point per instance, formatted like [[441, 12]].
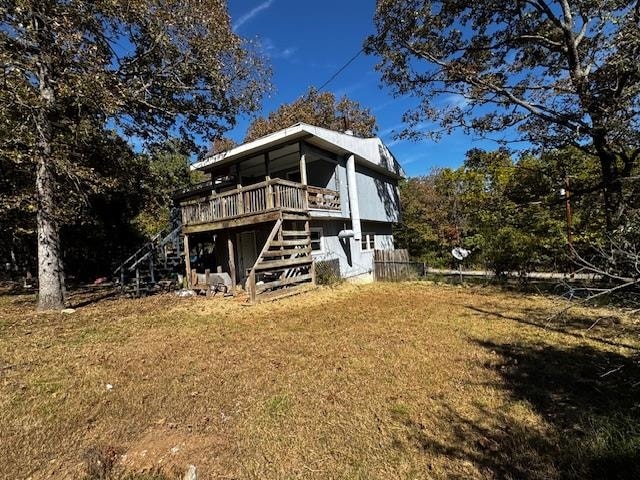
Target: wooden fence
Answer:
[[395, 266]]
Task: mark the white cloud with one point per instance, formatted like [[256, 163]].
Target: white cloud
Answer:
[[287, 52], [252, 13], [382, 106], [411, 159], [395, 142], [393, 129], [272, 51], [456, 100]]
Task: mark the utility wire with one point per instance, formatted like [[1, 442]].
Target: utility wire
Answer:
[[341, 69], [378, 37]]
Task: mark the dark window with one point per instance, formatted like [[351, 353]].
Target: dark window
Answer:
[[316, 239], [368, 241]]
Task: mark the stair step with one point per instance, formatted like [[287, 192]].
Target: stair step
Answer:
[[295, 233], [302, 242], [286, 252], [283, 282], [283, 264], [285, 292]]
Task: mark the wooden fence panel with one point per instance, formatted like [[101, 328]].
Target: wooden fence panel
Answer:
[[395, 266]]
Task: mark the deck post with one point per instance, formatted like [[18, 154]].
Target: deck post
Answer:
[[303, 168], [267, 167], [232, 265], [187, 261], [237, 174], [251, 286], [240, 193], [281, 240], [312, 267]]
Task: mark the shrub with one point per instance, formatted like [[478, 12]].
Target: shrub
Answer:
[[328, 272]]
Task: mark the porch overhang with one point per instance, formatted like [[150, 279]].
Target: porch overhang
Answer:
[[369, 152]]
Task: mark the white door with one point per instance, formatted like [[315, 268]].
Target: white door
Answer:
[[247, 254]]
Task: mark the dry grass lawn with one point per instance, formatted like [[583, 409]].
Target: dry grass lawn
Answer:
[[376, 381]]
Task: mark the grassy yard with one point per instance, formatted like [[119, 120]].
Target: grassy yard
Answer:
[[378, 381]]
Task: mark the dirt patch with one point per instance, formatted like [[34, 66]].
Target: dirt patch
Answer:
[[164, 447]]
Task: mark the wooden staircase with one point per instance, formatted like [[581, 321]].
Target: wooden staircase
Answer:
[[153, 267], [285, 261]]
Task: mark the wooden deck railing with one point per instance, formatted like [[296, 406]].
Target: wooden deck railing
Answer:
[[257, 198], [323, 198]]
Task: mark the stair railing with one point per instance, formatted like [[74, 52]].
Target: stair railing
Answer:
[[146, 253], [251, 281]]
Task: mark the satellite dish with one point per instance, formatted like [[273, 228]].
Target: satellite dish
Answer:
[[460, 253]]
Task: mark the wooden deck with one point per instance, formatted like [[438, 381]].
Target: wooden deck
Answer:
[[261, 202]]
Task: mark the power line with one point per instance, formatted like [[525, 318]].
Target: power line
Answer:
[[378, 37], [341, 69]]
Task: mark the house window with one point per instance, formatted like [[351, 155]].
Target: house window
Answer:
[[317, 244], [368, 242]]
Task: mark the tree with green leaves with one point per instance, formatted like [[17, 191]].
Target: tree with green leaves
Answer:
[[557, 73], [510, 214], [168, 169], [428, 229], [501, 209], [142, 69], [320, 109]]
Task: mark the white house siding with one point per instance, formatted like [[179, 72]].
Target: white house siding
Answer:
[[378, 196], [343, 187], [355, 264], [383, 234]]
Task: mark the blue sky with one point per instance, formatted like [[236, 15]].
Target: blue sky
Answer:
[[308, 42]]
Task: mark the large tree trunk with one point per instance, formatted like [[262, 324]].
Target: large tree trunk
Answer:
[[50, 272]]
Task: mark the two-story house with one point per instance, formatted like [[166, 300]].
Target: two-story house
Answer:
[[273, 206]]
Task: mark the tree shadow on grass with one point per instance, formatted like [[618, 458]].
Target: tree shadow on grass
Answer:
[[500, 448], [75, 298], [574, 326], [589, 397], [83, 297], [589, 400]]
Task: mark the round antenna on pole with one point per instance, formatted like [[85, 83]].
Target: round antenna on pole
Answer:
[[460, 253]]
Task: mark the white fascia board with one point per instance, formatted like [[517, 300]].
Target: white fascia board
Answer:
[[368, 151], [247, 148]]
